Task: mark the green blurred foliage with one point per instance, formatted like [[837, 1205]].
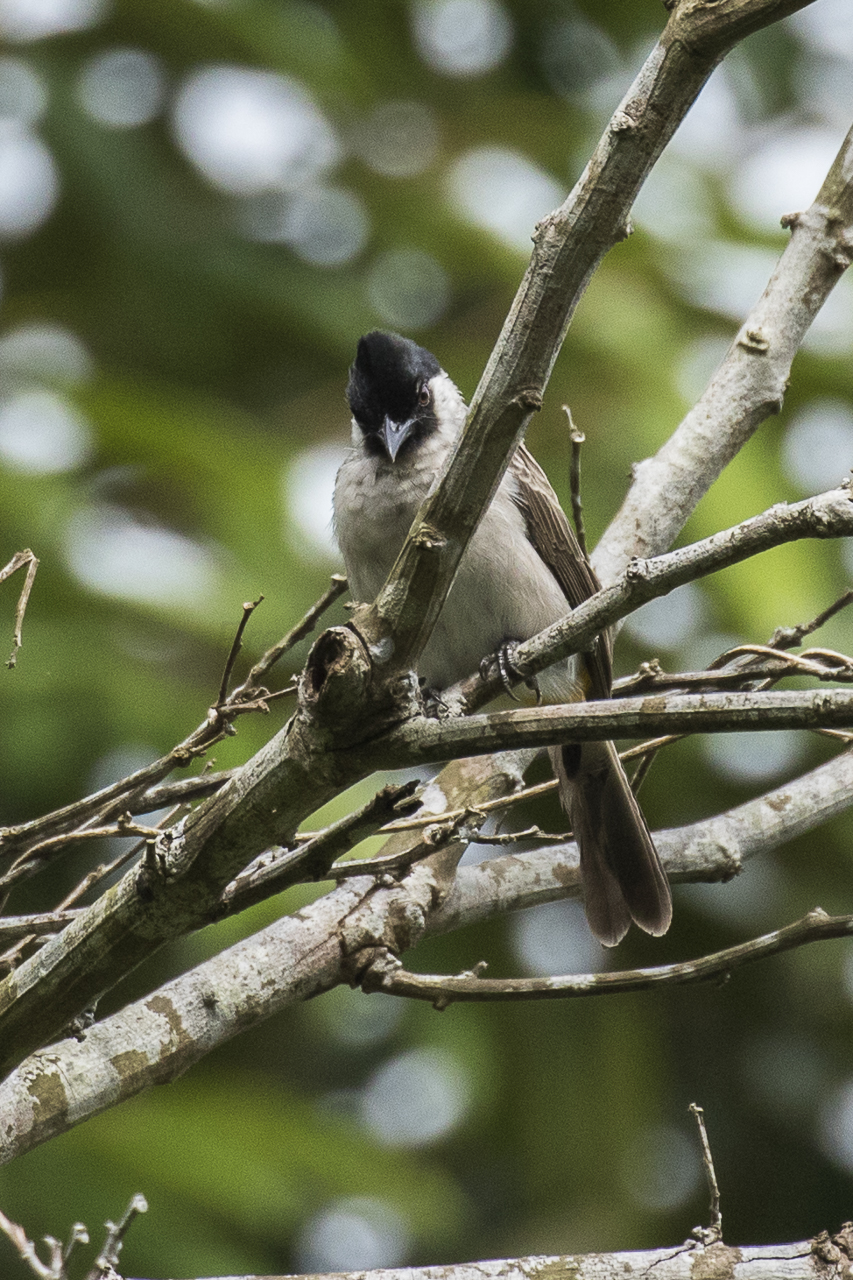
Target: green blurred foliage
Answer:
[[216, 363]]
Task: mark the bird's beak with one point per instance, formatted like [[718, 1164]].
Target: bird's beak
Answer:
[[394, 434]]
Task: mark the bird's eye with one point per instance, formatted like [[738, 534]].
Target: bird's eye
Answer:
[[424, 395]]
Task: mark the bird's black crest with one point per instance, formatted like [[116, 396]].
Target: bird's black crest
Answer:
[[386, 378]]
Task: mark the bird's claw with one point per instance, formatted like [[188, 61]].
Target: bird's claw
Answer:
[[507, 670], [434, 707]]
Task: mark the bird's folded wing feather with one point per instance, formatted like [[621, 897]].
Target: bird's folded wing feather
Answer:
[[552, 536]]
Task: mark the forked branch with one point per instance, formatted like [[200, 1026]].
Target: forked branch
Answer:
[[385, 972]]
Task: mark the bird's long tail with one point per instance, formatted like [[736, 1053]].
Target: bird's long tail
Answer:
[[623, 879]]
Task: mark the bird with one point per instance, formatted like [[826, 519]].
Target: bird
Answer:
[[522, 570]]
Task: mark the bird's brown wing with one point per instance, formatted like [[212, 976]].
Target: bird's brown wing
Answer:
[[552, 536]]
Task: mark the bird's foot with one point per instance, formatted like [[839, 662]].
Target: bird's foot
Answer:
[[434, 706], [507, 670]]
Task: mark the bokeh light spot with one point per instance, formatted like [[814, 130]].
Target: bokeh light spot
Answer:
[[827, 27], [45, 351], [783, 176], [673, 203], [29, 183], [42, 433], [836, 1125], [23, 93], [408, 288], [398, 139], [23, 20], [831, 333], [554, 938], [723, 276], [503, 191], [308, 484], [416, 1098], [661, 1168], [711, 134], [696, 364], [817, 451], [461, 37], [250, 131], [122, 88], [353, 1233], [326, 226], [753, 757], [112, 552], [669, 622]]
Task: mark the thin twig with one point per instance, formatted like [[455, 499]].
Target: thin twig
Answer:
[[821, 664], [38, 855], [577, 439], [125, 792], [532, 835], [791, 637], [274, 871], [710, 1234], [304, 627], [385, 973], [249, 608], [107, 1259], [384, 864], [646, 761], [19, 559], [167, 793], [23, 938], [27, 1249], [456, 815]]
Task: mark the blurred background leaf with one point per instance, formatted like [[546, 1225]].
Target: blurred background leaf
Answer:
[[202, 205]]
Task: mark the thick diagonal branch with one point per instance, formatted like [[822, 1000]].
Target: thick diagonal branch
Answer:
[[749, 385]]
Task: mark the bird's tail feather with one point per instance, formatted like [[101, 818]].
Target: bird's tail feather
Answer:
[[623, 879]]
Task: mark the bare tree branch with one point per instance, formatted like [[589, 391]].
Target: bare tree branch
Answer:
[[749, 385], [157, 1038], [423, 741], [124, 794], [715, 849], [385, 972], [822, 1258], [18, 561]]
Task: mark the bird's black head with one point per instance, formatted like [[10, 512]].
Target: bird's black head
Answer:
[[389, 392]]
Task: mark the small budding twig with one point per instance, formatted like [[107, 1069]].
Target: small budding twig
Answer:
[[123, 794], [304, 627], [19, 559], [577, 438], [790, 637], [107, 1259], [56, 1269], [249, 608], [714, 1232]]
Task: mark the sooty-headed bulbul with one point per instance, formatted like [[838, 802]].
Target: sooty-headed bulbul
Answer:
[[522, 570]]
